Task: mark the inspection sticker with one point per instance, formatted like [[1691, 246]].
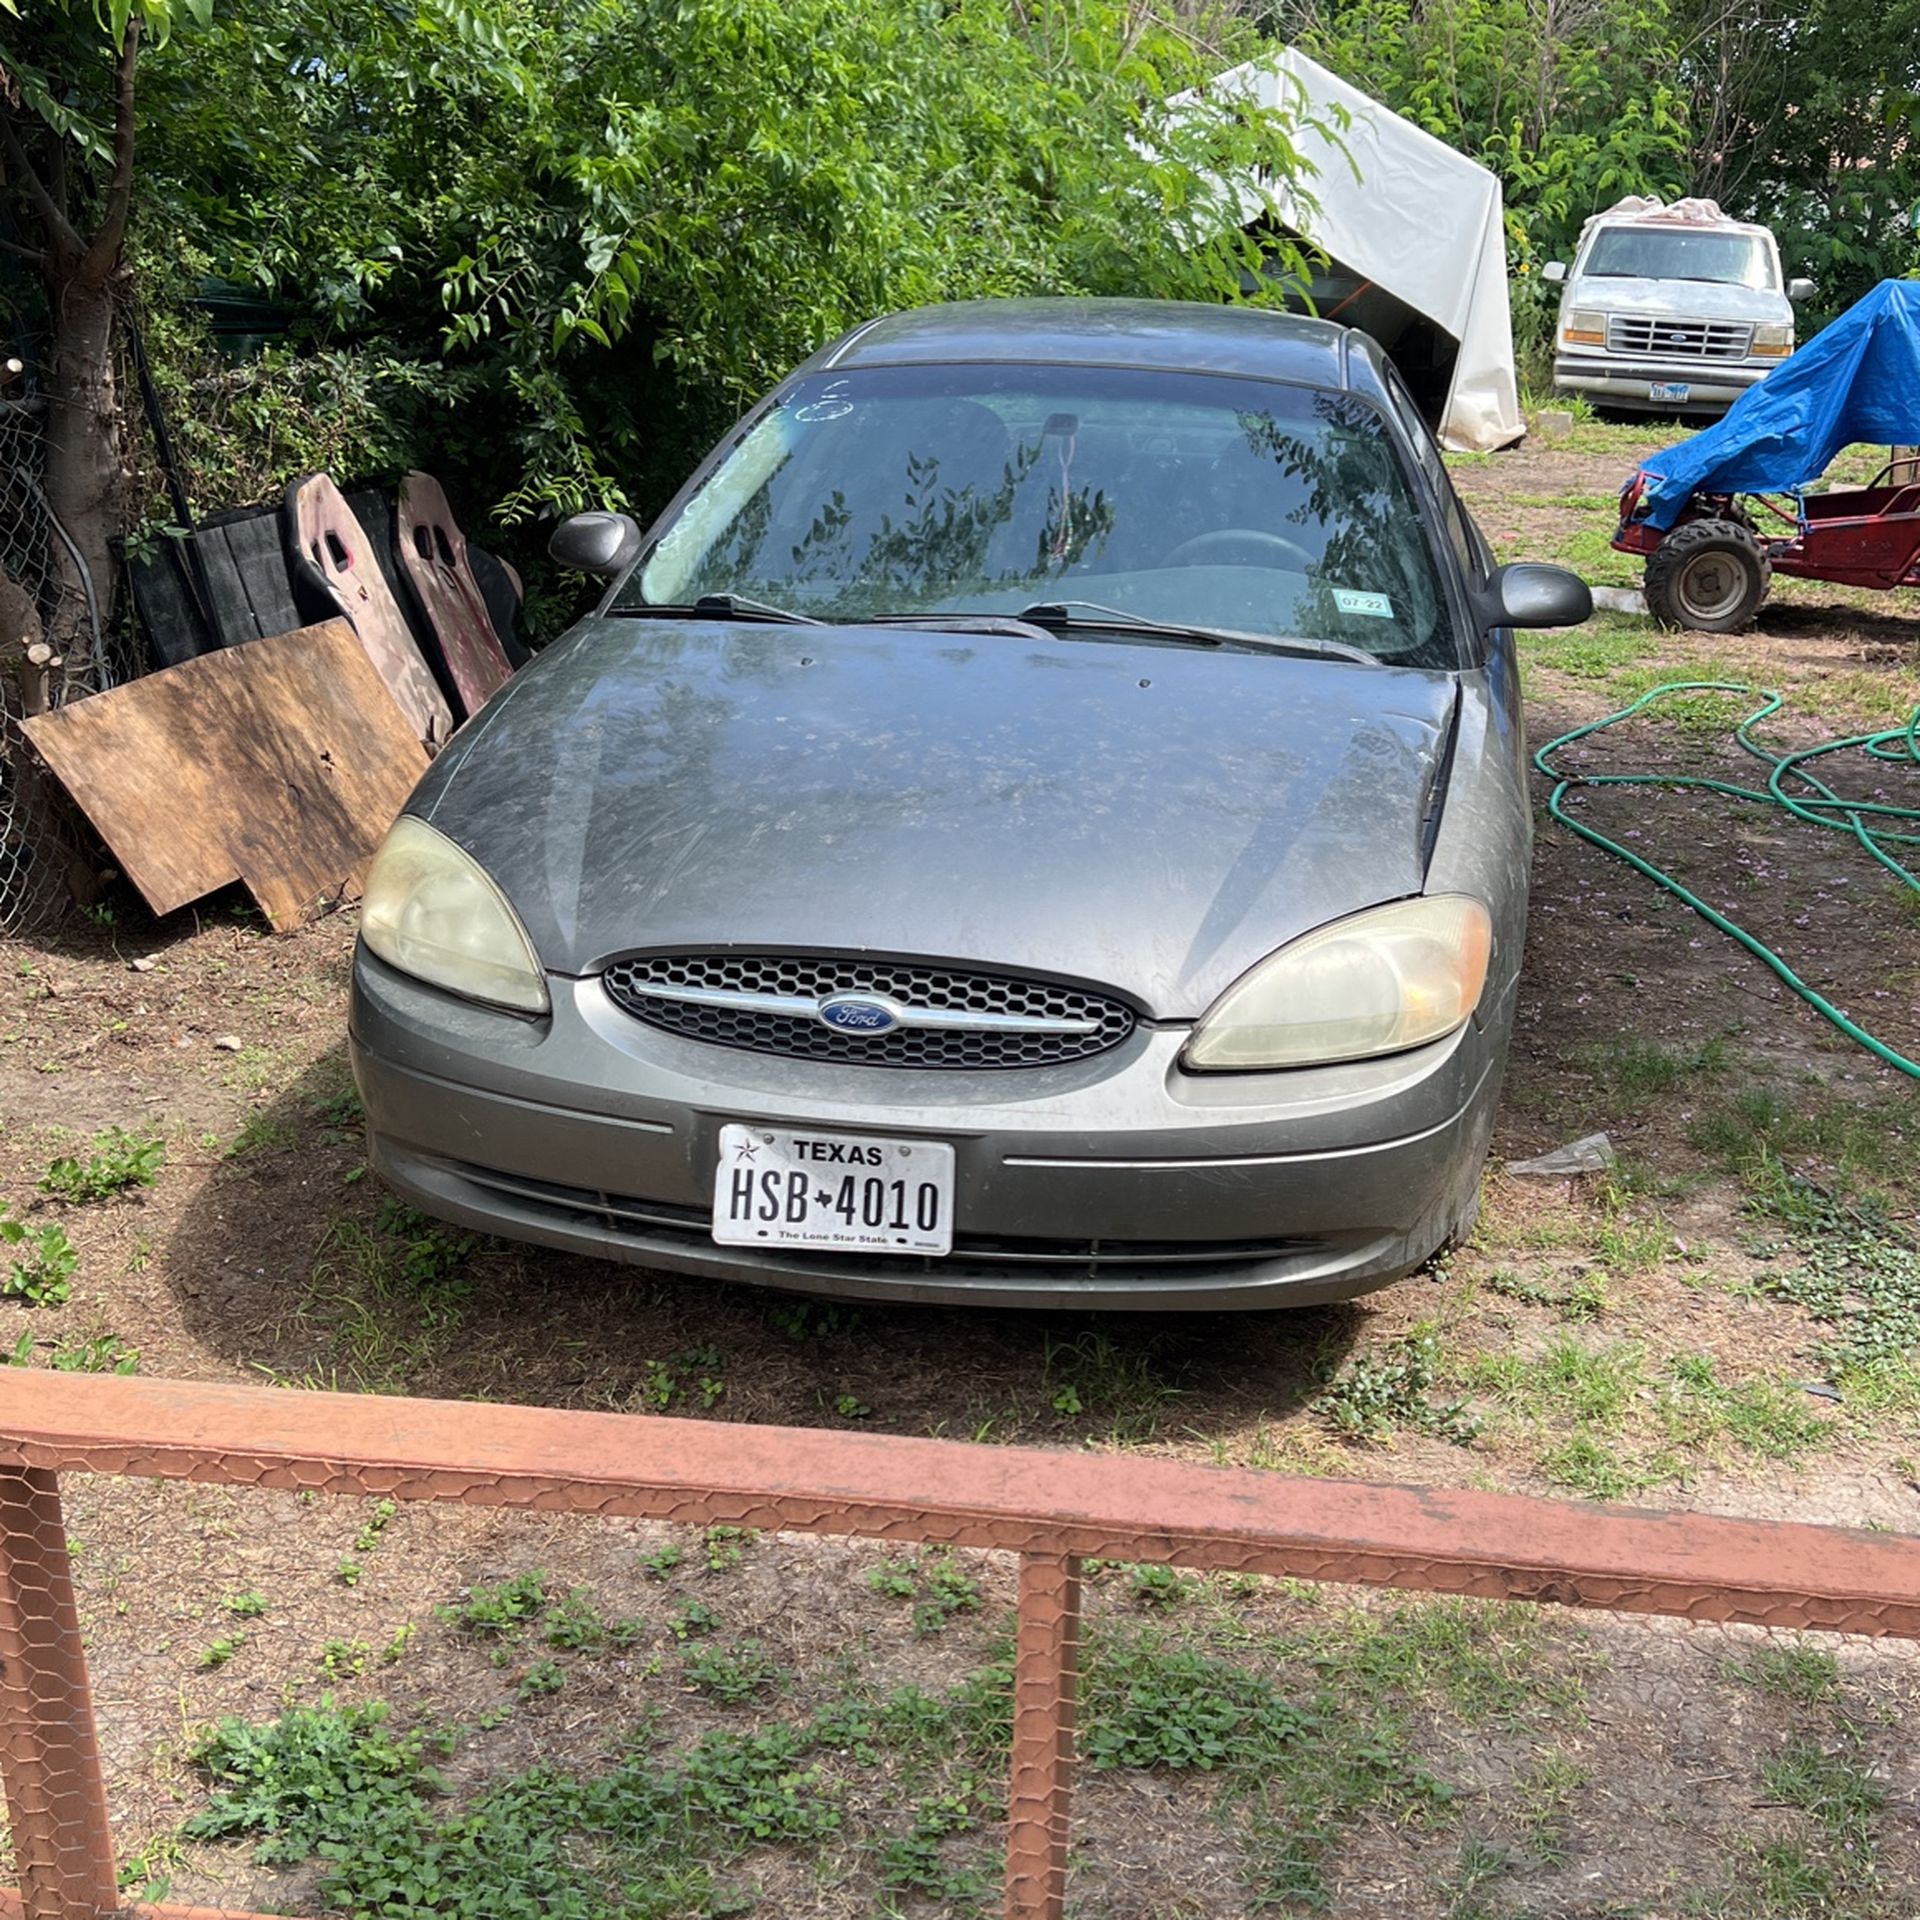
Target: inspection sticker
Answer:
[[1376, 606]]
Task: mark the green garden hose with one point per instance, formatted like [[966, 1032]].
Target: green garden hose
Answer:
[[1875, 824]]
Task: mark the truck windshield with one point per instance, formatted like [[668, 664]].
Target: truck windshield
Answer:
[[1673, 253]]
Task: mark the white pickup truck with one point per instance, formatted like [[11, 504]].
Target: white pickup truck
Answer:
[[1671, 309]]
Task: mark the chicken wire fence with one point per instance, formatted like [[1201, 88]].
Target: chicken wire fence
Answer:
[[37, 840], [409, 1659]]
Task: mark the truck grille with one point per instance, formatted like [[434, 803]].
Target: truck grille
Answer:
[[1688, 339], [767, 1003]]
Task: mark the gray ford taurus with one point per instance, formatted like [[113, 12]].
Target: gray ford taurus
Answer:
[[1039, 820]]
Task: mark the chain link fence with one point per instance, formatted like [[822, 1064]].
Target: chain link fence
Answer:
[[38, 842], [549, 1662]]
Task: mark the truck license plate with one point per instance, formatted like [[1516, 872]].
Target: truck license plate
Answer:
[[775, 1187], [1669, 390]]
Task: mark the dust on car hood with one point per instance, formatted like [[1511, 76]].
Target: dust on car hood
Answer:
[[1152, 818]]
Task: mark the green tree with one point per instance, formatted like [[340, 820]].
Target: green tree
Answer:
[[558, 242], [1809, 120], [67, 124]]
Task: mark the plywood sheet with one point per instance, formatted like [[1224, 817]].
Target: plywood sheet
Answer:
[[330, 548], [433, 551], [280, 764]]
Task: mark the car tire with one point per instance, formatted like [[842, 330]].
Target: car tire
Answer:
[[1708, 576]]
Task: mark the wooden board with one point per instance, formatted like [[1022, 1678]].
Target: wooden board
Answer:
[[280, 764], [433, 552], [329, 547]]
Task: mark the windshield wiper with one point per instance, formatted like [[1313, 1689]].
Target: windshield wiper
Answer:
[[993, 623], [724, 606], [1067, 616]]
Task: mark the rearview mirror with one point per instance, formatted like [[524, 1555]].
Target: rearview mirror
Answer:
[[1554, 272], [1799, 290], [595, 542], [1530, 595]]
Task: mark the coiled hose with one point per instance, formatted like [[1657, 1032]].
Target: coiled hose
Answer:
[[1877, 825]]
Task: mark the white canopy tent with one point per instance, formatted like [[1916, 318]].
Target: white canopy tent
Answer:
[[1404, 213]]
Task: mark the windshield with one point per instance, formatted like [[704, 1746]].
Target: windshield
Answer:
[[1273, 511], [1674, 253]]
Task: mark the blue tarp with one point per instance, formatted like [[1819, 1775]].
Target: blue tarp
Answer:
[[1856, 380]]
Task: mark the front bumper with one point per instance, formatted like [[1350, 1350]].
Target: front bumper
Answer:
[[1714, 385], [1118, 1181]]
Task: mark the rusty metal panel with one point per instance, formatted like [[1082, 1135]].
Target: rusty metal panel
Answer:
[[889, 1487], [433, 554], [49, 1745], [1046, 1669], [330, 552]]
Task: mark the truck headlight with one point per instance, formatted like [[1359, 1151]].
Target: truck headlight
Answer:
[[1377, 982], [1584, 328], [434, 912], [1774, 341]]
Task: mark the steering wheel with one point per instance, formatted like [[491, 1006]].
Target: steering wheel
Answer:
[[1263, 549]]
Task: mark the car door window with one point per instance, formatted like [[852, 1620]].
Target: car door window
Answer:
[[1468, 550]]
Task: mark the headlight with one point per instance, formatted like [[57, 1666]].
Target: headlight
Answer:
[[1774, 341], [1584, 328], [433, 912], [1379, 982]]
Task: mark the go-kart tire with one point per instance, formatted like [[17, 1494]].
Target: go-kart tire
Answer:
[[1708, 576]]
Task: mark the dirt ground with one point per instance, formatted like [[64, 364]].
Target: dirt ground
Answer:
[[1729, 1321]]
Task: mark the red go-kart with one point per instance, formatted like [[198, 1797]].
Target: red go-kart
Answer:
[[1717, 515]]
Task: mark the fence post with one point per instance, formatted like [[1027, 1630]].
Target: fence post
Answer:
[[49, 1745], [1046, 1666]]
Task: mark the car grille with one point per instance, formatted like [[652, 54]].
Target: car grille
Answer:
[[660, 1223], [764, 1003], [1690, 339]]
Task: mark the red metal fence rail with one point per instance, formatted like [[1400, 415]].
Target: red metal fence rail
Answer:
[[1052, 1509]]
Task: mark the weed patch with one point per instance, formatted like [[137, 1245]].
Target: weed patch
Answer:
[[42, 1272], [119, 1162], [1379, 1393], [936, 1587]]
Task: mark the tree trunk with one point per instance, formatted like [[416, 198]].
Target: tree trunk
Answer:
[[85, 456]]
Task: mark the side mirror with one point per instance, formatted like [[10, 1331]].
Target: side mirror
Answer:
[[595, 542], [1799, 290], [1529, 595], [1554, 272]]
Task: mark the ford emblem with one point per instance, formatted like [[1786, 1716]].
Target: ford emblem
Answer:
[[857, 1013]]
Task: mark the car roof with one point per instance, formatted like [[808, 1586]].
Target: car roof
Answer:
[[1175, 335]]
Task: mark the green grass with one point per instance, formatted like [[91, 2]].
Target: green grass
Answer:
[[1638, 1072], [1809, 1675], [260, 1133], [1828, 1175], [1118, 1383], [1767, 1138], [389, 1296], [1306, 1733], [1607, 1424], [1589, 551], [1606, 646]]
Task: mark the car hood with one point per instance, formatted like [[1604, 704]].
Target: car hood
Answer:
[[1679, 299], [1151, 818]]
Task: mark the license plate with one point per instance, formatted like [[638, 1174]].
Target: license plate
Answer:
[[1669, 390], [778, 1188]]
